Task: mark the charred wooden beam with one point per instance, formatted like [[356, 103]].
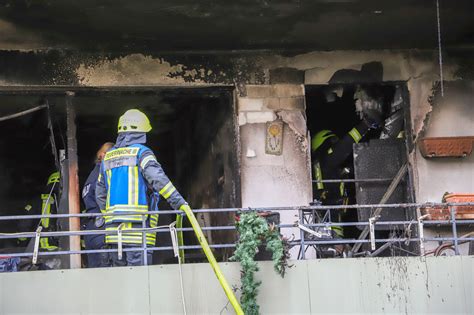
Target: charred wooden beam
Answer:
[[73, 195]]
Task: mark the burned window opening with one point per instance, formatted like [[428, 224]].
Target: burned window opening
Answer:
[[194, 138], [336, 119]]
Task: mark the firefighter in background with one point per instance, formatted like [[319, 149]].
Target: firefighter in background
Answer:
[[128, 173], [49, 205], [330, 155], [95, 223]]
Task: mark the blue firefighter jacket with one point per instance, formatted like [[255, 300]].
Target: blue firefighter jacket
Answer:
[[88, 196], [129, 174]]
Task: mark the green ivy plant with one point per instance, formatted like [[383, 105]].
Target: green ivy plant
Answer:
[[253, 231]]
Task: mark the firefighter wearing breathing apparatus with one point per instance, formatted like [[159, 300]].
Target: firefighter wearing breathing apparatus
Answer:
[[329, 155], [129, 175]]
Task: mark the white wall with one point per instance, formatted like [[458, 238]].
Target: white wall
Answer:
[[391, 285], [452, 116], [275, 180]]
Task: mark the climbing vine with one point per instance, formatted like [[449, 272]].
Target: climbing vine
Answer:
[[253, 231]]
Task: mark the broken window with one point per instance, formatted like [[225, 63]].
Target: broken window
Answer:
[[360, 134]]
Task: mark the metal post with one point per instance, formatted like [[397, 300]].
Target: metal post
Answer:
[[303, 249], [372, 232], [73, 195], [421, 235], [455, 231], [144, 244]]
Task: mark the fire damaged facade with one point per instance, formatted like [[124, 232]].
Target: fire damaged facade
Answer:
[[347, 126]]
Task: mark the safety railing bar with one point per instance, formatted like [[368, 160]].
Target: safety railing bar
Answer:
[[125, 249], [445, 239], [386, 240], [292, 208], [363, 223], [104, 232], [292, 243], [458, 221], [362, 180], [326, 207], [215, 228], [230, 245]]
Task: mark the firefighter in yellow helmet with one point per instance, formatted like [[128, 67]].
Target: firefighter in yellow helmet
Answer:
[[330, 154], [128, 172]]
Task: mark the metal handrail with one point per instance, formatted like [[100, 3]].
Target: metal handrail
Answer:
[[217, 228], [260, 209], [455, 239]]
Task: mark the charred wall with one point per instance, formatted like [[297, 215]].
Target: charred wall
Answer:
[[268, 86]]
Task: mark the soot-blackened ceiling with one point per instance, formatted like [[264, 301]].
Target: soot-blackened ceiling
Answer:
[[142, 25]]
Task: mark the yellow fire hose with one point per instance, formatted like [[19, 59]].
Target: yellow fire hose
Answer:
[[179, 225], [212, 260]]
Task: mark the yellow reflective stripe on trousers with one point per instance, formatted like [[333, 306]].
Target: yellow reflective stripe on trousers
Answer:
[[319, 176], [355, 134], [153, 220], [167, 190], [341, 189], [46, 211]]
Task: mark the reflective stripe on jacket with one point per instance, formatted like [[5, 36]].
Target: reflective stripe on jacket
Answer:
[[126, 187], [127, 193], [134, 167]]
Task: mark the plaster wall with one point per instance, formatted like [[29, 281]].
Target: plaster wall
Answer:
[[452, 116], [392, 285], [275, 180]]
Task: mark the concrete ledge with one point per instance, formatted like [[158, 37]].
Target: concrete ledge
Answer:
[[378, 285]]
